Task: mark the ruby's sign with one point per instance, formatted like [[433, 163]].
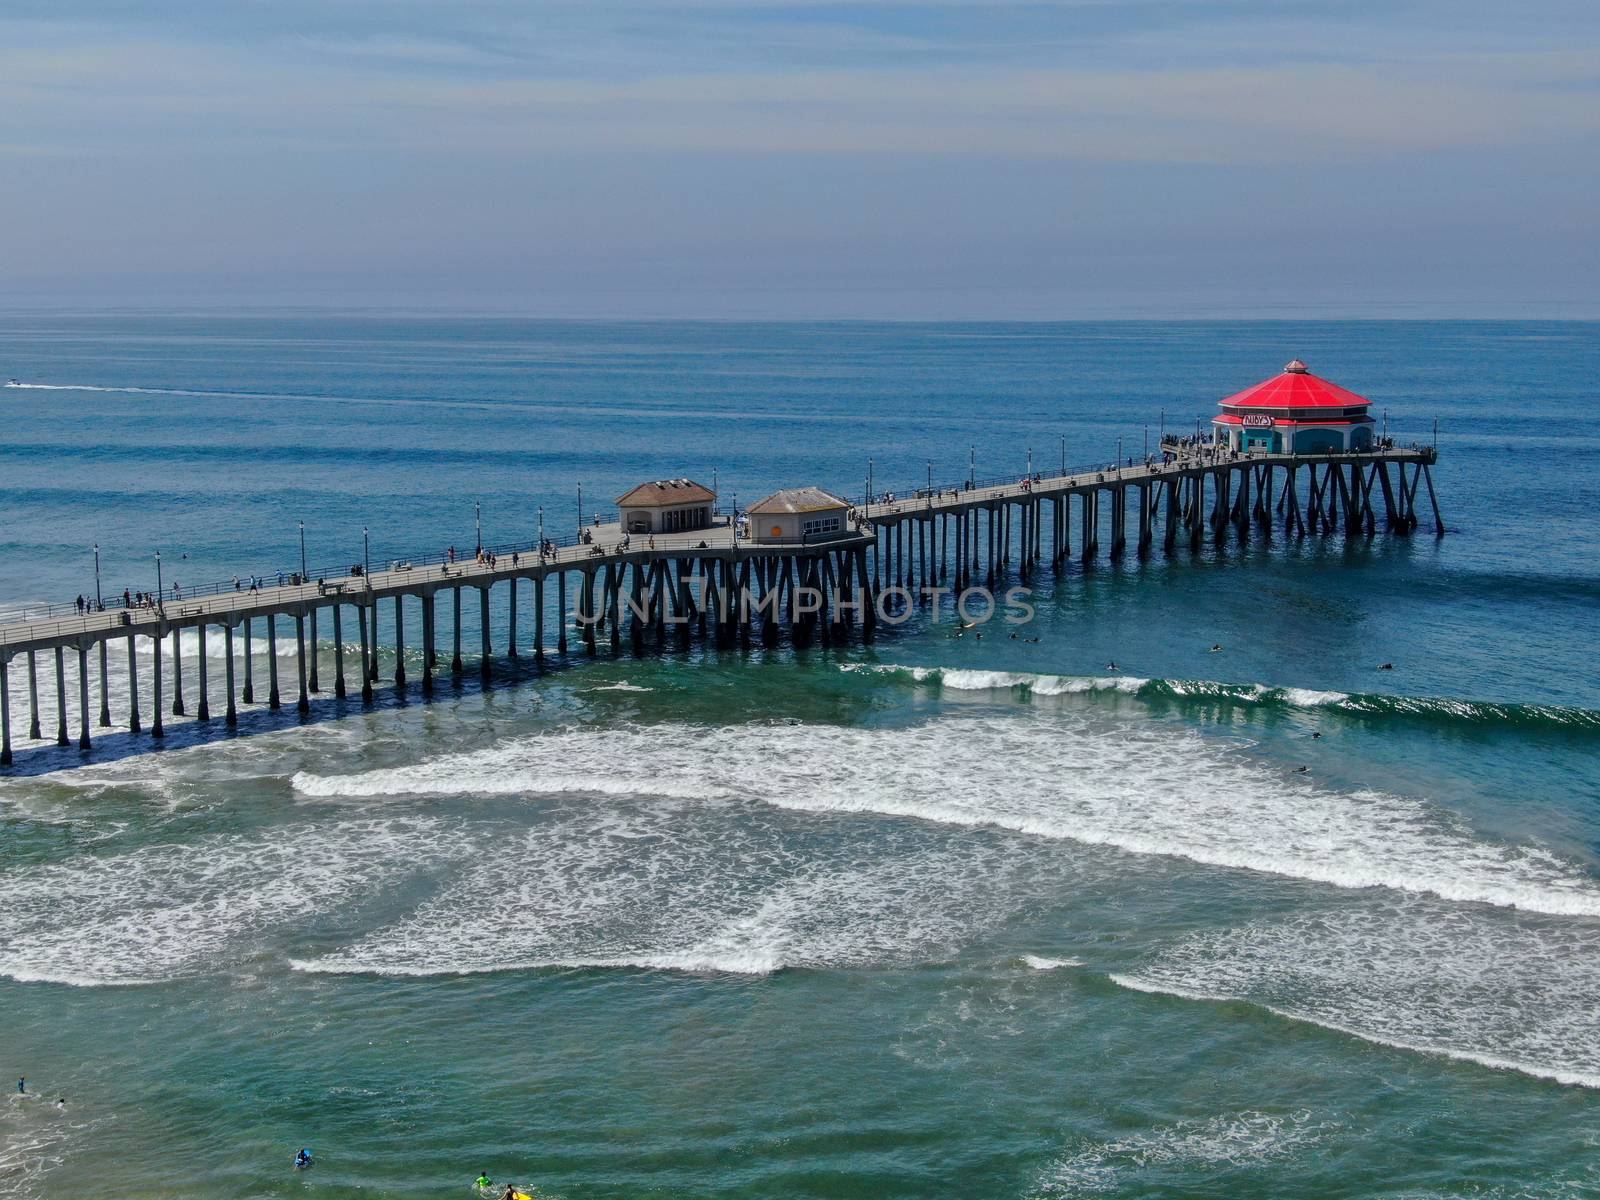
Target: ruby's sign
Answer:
[[1257, 421]]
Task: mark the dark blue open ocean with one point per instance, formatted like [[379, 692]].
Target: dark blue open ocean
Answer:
[[940, 916]]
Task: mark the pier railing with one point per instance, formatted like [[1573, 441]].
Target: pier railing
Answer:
[[387, 561], [1183, 452]]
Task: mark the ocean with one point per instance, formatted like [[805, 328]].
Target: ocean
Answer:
[[937, 915]]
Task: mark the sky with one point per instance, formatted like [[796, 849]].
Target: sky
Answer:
[[957, 159]]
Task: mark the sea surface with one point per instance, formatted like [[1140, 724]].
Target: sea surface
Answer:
[[939, 916]]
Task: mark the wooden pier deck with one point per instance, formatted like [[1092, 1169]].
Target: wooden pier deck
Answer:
[[713, 582]]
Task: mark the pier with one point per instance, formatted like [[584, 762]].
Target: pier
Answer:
[[894, 553]]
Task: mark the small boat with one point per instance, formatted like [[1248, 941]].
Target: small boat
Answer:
[[13, 383]]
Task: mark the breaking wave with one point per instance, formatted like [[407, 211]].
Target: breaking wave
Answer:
[[168, 911], [1506, 991], [1360, 704], [1145, 790], [675, 888]]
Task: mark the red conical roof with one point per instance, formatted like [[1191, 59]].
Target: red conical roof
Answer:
[[1295, 387]]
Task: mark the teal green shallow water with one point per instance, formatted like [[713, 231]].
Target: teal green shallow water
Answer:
[[938, 916]]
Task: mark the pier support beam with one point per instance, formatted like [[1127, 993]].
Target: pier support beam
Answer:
[[428, 635], [372, 662], [177, 673], [156, 730], [311, 648], [33, 696], [538, 618], [561, 612], [399, 642], [61, 696], [366, 654], [486, 666], [1438, 521], [133, 687], [511, 621], [455, 661], [249, 666], [232, 714], [203, 712], [338, 651], [272, 662], [303, 703], [83, 697], [105, 686], [5, 712]]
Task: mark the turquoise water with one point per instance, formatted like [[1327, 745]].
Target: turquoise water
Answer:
[[937, 916]]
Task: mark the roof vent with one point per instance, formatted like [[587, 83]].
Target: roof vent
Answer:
[[1295, 367]]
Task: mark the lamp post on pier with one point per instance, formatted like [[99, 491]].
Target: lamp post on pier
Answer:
[[366, 556], [869, 481], [1147, 443], [972, 467], [580, 511], [541, 531], [302, 551], [98, 602], [1063, 454], [477, 522], [160, 594]]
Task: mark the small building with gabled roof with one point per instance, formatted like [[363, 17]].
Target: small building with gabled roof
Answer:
[[805, 514], [666, 506]]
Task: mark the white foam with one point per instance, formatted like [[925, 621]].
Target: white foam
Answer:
[[1505, 991], [35, 1139], [963, 679], [1030, 683], [1139, 787], [672, 887], [1308, 698], [621, 686], [167, 911], [1229, 1140], [1049, 964]]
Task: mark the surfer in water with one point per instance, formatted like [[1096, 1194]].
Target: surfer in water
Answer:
[[302, 1159]]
